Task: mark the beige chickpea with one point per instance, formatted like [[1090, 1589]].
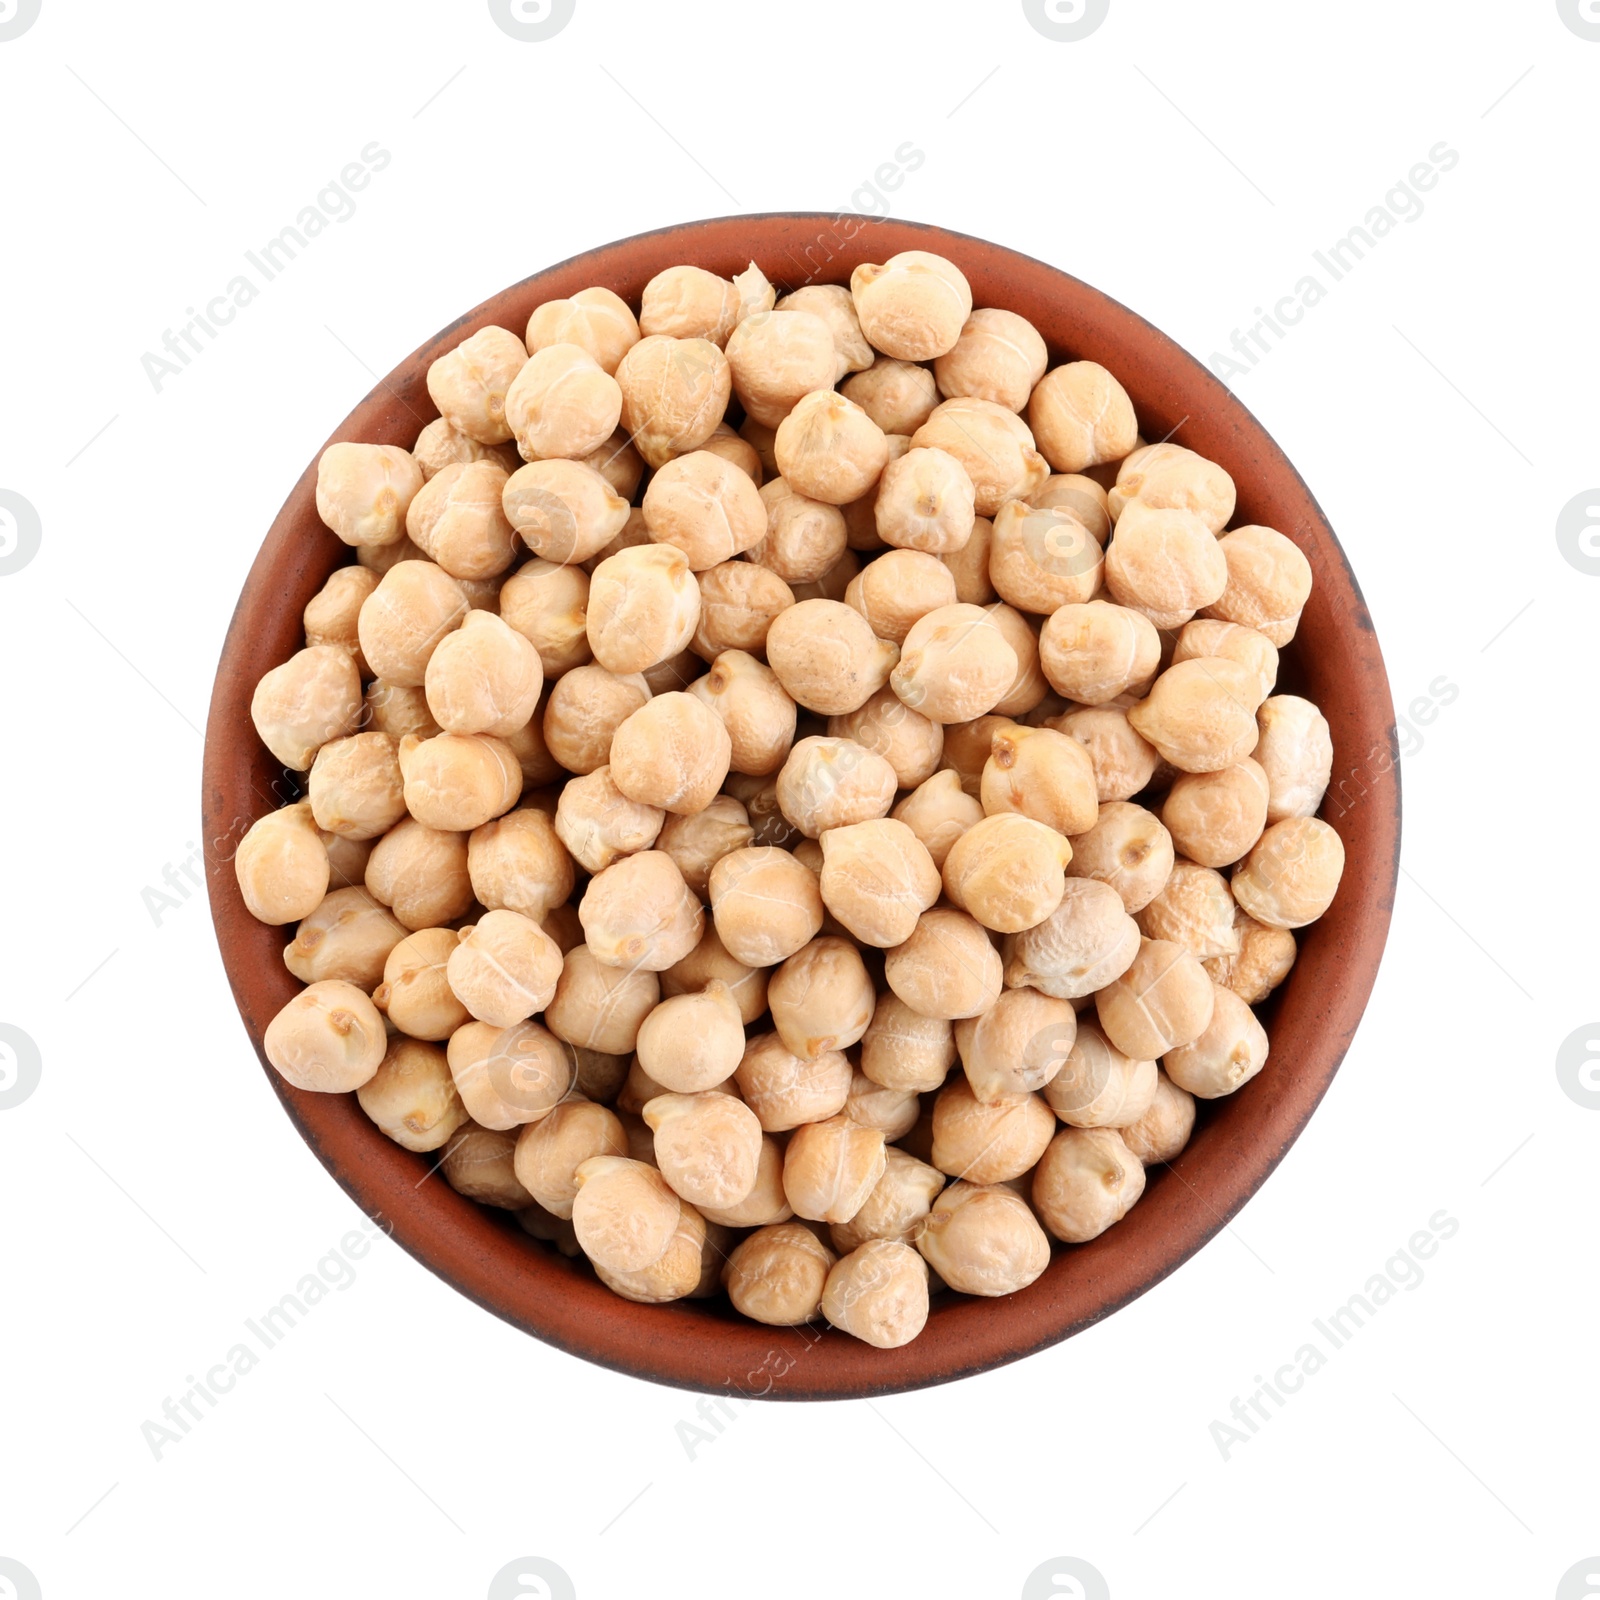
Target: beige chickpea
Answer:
[[1094, 651], [562, 403], [725, 444], [776, 1276], [364, 490], [765, 904], [469, 384], [1087, 942], [821, 998], [596, 320], [912, 307], [674, 392], [692, 1042], [1161, 1002], [968, 746], [402, 621], [994, 446], [1018, 1045], [893, 1112], [415, 993], [1206, 637], [698, 842], [1194, 909], [878, 1293], [830, 1167], [707, 1146], [761, 439], [1127, 848], [548, 605], [1040, 560], [412, 1096], [829, 449], [892, 592], [988, 1141], [1098, 1086], [355, 786], [597, 1007], [562, 924], [1164, 1129], [689, 303], [624, 1212], [904, 1050], [458, 519], [1268, 582], [898, 1202], [640, 912], [1042, 774], [776, 357], [347, 860], [380, 558], [485, 677], [999, 357], [1215, 817], [420, 873], [832, 302], [1080, 495], [833, 583], [1165, 563], [563, 510], [504, 969], [456, 781], [755, 291], [518, 863], [1082, 416], [925, 501], [600, 825], [1087, 1180], [753, 706], [877, 878], [766, 1204], [1168, 476], [329, 1037], [348, 937], [282, 865], [1200, 714], [441, 444], [1007, 871], [550, 1151], [1291, 874], [947, 968], [711, 962], [672, 753], [644, 606], [1295, 751], [313, 697], [1028, 688], [1263, 960], [397, 710], [705, 507], [827, 782], [804, 538], [1123, 762], [939, 811], [785, 1090], [584, 711], [907, 740], [1231, 1051], [982, 1239], [540, 1224], [331, 615], [955, 664], [529, 1075], [477, 1163], [738, 601], [898, 395], [827, 657]]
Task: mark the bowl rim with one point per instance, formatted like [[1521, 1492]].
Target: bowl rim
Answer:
[[703, 1345]]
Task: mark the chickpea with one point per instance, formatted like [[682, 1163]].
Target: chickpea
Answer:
[[1200, 714], [778, 356], [505, 968], [898, 395], [785, 1090], [988, 1141], [955, 664], [355, 786], [1215, 817], [624, 1212], [697, 843], [829, 1168], [804, 538], [468, 1052], [761, 439], [415, 993], [1042, 774], [1231, 1051], [710, 962], [282, 865], [1194, 909], [905, 1051], [1028, 688], [562, 403], [1087, 1180], [562, 924], [766, 1204], [1040, 560], [833, 583], [821, 998], [925, 501], [1017, 1046], [563, 510], [982, 1239], [672, 753], [1161, 1002], [759, 797], [755, 291], [313, 697], [1166, 476], [939, 811], [1123, 762], [331, 614], [674, 392], [1291, 874], [1165, 563], [776, 1276], [885, 725], [549, 606], [412, 1096], [1206, 637], [897, 589], [1163, 1131], [477, 1163], [705, 507], [1082, 496], [1007, 871], [1087, 942], [753, 706], [998, 357], [380, 557], [348, 936], [329, 1037], [441, 444], [725, 444], [1268, 583], [898, 1202], [456, 781], [396, 710], [600, 1007], [596, 320], [402, 621], [878, 1293], [689, 303], [1081, 417], [1128, 848], [1295, 751], [469, 384], [829, 449], [1263, 960], [708, 1146], [364, 490], [639, 912], [458, 520], [993, 445], [600, 825], [826, 656], [485, 677], [644, 606], [347, 860], [947, 968], [550, 1151], [584, 711], [914, 306], [693, 1042], [1095, 651], [738, 601], [969, 565], [1098, 1086], [420, 873]]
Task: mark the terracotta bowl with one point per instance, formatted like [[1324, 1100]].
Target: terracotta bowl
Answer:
[[1238, 1141]]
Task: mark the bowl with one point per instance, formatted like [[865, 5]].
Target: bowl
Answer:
[[705, 1345]]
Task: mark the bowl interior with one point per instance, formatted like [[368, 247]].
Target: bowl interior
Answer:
[[1335, 661]]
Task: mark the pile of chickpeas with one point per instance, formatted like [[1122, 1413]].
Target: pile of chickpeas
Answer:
[[831, 874]]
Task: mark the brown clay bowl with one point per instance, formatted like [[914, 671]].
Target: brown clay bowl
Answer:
[[1238, 1141]]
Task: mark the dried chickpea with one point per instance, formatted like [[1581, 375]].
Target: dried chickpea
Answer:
[[485, 677], [878, 1293], [348, 936], [999, 357], [1206, 637], [759, 797], [778, 356], [828, 782], [597, 320], [363, 491], [1161, 1002], [939, 811], [563, 510], [415, 993], [826, 656], [947, 968], [504, 969], [738, 601], [698, 842], [925, 501], [1081, 417], [313, 697], [1098, 1086], [992, 444], [776, 1276], [914, 306], [1018, 1045], [402, 621], [1095, 651], [832, 302], [420, 873], [412, 1096], [898, 395], [1200, 714], [899, 1201], [877, 879], [766, 1204], [821, 998], [441, 444], [282, 865], [728, 446], [907, 740], [549, 606], [672, 753], [597, 1007], [1082, 496], [562, 403], [329, 1037], [833, 583], [754, 707], [1042, 774], [892, 592], [561, 923], [829, 449], [1087, 942], [904, 1050], [1163, 1131], [529, 1073], [456, 781], [689, 303], [711, 962], [458, 520], [1165, 563], [761, 438], [355, 786], [804, 538], [1166, 476], [955, 664], [1268, 582], [639, 912], [1231, 1051], [988, 1141], [707, 1146], [1128, 848], [1040, 560], [1007, 871], [674, 392], [1215, 817], [1028, 688], [1261, 963], [1123, 762], [395, 710], [550, 1151], [644, 606], [469, 384], [785, 1090], [982, 1239], [584, 711], [1194, 909], [1291, 874], [380, 557], [477, 1163], [692, 1042], [705, 507], [1295, 751], [599, 824], [347, 860], [893, 1112], [829, 1168], [1087, 1180], [624, 1212], [331, 615]]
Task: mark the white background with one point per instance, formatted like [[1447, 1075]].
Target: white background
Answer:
[[1187, 158]]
